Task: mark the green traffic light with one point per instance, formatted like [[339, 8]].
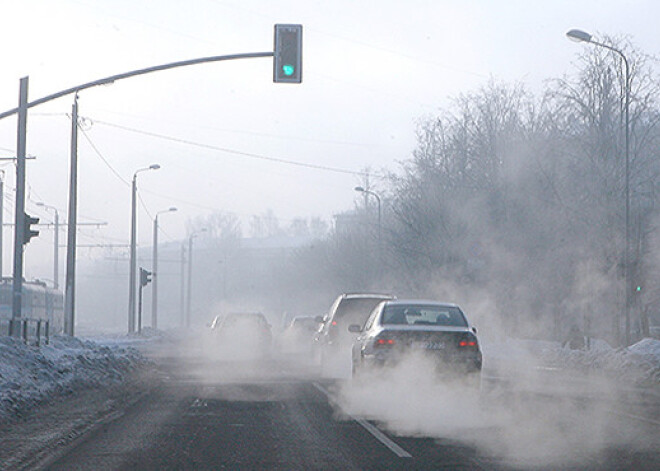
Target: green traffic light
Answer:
[[638, 288], [288, 69]]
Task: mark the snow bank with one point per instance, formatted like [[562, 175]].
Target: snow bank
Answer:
[[29, 374], [638, 364]]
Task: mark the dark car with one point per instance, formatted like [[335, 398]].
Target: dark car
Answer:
[[242, 335], [349, 308], [298, 337], [439, 331]]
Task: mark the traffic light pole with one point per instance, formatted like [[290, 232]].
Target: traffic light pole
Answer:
[[19, 221]]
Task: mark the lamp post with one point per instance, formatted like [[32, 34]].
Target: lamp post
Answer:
[[154, 271], [380, 227], [132, 261], [190, 259], [56, 243], [582, 36]]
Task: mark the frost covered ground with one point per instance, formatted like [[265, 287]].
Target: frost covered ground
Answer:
[[637, 365], [31, 375]]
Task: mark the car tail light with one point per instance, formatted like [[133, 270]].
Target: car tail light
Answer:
[[334, 323], [382, 342], [469, 341]]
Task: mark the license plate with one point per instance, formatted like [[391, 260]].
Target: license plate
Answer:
[[430, 345]]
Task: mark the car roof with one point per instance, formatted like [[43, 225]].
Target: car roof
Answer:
[[368, 296], [419, 302]]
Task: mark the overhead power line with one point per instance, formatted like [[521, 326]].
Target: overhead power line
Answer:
[[231, 151]]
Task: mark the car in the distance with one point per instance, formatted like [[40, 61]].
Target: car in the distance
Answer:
[[241, 335], [333, 339], [298, 336], [436, 331]]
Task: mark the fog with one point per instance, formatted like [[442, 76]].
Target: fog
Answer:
[[530, 420], [493, 155]]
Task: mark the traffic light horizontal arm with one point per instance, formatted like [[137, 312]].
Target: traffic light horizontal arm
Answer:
[[134, 73]]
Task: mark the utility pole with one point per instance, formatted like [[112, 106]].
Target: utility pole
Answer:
[[56, 243], [190, 259], [19, 228], [182, 277], [70, 281], [189, 300], [154, 271]]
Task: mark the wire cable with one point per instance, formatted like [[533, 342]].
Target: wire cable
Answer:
[[232, 151]]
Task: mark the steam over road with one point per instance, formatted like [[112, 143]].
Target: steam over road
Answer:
[[278, 414]]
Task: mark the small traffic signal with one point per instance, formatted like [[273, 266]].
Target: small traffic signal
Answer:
[[29, 233], [287, 57], [145, 277]]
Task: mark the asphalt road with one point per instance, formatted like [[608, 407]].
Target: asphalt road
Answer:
[[277, 413]]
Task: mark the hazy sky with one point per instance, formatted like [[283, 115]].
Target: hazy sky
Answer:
[[371, 70]]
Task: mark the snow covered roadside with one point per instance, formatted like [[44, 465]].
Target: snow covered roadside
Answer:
[[637, 365], [32, 375]]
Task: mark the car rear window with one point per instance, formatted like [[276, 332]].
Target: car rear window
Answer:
[[355, 310], [423, 315]]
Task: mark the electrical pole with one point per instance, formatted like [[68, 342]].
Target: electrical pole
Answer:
[[154, 275], [190, 259], [70, 281], [189, 300], [182, 297], [154, 271], [131, 270], [19, 228], [56, 243]]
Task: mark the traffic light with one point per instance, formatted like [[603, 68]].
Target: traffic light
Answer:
[[145, 277], [29, 233], [287, 58]]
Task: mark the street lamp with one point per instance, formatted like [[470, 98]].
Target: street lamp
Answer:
[[380, 227], [154, 271], [582, 36], [133, 269], [190, 259], [56, 243]]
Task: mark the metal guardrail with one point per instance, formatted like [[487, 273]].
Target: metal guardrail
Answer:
[[27, 329]]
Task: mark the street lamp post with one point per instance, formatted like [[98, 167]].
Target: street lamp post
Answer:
[[154, 271], [56, 244], [582, 36], [132, 261], [190, 259], [380, 227]]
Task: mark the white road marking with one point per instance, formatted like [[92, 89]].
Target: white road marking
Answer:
[[372, 429]]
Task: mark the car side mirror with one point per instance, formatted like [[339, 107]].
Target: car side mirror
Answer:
[[355, 328], [474, 329]]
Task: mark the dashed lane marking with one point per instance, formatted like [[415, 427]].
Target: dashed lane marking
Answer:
[[369, 427]]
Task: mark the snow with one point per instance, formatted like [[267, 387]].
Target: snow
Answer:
[[637, 365], [30, 375]]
